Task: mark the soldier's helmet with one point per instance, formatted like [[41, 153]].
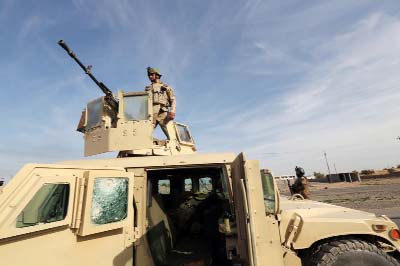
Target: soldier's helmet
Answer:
[[151, 70], [299, 172]]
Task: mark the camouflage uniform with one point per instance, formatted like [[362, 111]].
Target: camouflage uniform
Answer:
[[301, 184], [163, 99]]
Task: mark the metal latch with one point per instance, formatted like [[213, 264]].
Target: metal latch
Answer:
[[136, 232], [130, 236]]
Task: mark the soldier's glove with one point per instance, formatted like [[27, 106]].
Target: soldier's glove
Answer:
[[171, 116]]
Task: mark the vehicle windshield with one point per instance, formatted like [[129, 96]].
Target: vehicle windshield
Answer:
[[136, 107], [269, 192]]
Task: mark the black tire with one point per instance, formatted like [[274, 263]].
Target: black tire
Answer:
[[349, 252]]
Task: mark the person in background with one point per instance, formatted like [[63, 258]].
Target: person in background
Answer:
[[300, 185]]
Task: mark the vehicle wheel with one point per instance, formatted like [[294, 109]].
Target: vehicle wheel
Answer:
[[349, 252]]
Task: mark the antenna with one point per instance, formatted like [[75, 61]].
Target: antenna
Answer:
[[329, 170]]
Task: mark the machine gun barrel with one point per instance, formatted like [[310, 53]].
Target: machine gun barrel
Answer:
[[110, 99]]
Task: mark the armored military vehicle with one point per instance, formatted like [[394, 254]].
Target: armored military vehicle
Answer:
[[160, 203]]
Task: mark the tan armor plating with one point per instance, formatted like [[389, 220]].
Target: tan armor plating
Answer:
[[163, 97]]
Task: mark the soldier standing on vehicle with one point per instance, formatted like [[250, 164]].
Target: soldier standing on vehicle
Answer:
[[300, 186], [164, 102]]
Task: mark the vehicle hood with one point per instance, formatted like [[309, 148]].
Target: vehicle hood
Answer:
[[315, 209], [303, 222]]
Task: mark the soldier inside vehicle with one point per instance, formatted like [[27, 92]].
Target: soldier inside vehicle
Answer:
[[185, 211]]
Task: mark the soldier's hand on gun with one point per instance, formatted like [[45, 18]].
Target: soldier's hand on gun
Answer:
[[171, 115]]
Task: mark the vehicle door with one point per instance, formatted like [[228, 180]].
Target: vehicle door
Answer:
[[258, 230], [64, 216], [104, 218]]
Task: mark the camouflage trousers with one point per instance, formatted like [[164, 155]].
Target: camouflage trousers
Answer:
[[161, 119]]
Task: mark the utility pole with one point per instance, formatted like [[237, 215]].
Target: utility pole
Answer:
[[334, 166], [329, 170]]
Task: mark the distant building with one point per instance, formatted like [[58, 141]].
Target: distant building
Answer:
[[285, 177], [291, 177], [345, 177]]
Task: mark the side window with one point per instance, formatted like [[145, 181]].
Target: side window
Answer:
[[205, 185], [110, 200], [49, 204], [269, 191], [183, 133], [188, 184], [164, 187]]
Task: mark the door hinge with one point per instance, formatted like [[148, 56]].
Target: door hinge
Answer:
[[136, 232], [78, 203], [129, 236]]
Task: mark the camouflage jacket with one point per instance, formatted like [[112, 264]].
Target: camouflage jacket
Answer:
[[163, 96]]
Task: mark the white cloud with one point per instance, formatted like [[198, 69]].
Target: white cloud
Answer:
[[262, 54], [115, 13], [346, 105], [291, 80], [30, 26]]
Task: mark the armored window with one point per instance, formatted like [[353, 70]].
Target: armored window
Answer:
[[164, 186], [205, 184], [183, 133], [188, 184], [269, 192], [110, 200], [49, 204], [136, 107], [94, 113]]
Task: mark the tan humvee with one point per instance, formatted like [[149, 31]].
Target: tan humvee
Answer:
[[180, 208]]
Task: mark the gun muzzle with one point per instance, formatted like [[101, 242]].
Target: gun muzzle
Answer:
[[65, 47]]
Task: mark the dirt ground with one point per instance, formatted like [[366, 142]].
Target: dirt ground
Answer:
[[380, 195]]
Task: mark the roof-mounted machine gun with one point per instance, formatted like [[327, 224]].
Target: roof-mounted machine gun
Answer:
[[109, 98], [124, 123]]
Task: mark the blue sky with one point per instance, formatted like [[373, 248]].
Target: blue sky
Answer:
[[284, 81]]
